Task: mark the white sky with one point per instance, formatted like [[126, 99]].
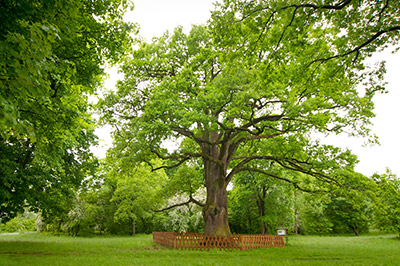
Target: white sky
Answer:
[[157, 16]]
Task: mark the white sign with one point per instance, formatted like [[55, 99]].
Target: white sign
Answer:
[[281, 232]]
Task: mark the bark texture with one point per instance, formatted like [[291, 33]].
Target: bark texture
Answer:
[[215, 211]]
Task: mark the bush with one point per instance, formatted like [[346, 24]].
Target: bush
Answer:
[[18, 224]]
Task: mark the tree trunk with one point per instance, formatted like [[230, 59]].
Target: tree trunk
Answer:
[[356, 230], [133, 227], [260, 200], [264, 226], [296, 225], [215, 212]]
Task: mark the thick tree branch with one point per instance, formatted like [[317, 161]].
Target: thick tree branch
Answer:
[[191, 135], [177, 156], [281, 178], [267, 136], [272, 118], [170, 166], [290, 164], [173, 206], [358, 48], [339, 6], [295, 165], [191, 200], [257, 135], [246, 160], [182, 158]]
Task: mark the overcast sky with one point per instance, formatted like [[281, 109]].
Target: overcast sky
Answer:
[[157, 16]]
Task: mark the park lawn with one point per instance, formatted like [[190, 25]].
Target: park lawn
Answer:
[[41, 249]]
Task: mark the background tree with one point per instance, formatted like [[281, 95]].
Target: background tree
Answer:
[[252, 88], [350, 214], [137, 193], [311, 216], [259, 204], [93, 212], [387, 202], [340, 211], [52, 55], [243, 212]]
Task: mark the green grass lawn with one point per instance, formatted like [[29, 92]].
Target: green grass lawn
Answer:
[[39, 249]]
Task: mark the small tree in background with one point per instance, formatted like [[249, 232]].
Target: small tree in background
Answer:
[[340, 211], [259, 204], [387, 202]]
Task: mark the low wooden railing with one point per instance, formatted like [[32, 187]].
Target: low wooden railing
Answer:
[[197, 241]]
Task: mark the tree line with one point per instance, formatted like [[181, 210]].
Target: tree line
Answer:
[[121, 204]]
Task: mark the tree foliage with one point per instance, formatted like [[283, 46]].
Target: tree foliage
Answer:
[[137, 193], [52, 54], [387, 204], [117, 200], [340, 210], [259, 204]]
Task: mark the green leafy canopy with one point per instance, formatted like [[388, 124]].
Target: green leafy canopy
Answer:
[[52, 55]]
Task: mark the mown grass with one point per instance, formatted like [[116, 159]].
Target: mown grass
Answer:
[[40, 249]]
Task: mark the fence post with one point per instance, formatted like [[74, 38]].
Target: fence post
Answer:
[[175, 240], [241, 243]]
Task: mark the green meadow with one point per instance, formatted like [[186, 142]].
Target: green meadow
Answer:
[[40, 249]]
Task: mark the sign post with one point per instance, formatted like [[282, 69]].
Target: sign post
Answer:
[[282, 231]]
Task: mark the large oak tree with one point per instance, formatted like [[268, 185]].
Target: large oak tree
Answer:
[[246, 93]]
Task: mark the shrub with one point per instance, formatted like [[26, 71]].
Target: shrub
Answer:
[[18, 224]]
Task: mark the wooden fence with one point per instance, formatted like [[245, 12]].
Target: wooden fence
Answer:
[[196, 241]]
